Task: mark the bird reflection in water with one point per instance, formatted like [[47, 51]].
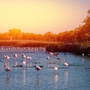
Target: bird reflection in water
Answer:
[[55, 77], [65, 79], [24, 76], [7, 81], [82, 58], [37, 84], [55, 80], [28, 62]]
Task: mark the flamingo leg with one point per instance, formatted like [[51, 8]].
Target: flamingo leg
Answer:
[[55, 72], [9, 73], [38, 73], [64, 68], [67, 68]]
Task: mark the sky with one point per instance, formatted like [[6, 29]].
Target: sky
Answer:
[[41, 16]]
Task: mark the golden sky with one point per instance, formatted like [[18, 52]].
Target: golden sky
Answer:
[[41, 16]]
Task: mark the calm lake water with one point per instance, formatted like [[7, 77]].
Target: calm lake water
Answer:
[[76, 77]]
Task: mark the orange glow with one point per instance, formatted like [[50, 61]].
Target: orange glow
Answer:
[[38, 16]]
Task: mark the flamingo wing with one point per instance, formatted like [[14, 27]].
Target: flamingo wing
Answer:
[[37, 68], [8, 69], [55, 53], [65, 64], [55, 69]]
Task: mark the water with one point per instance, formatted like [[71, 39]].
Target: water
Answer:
[[76, 77]]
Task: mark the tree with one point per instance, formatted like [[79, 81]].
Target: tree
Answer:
[[89, 11], [48, 36], [15, 33]]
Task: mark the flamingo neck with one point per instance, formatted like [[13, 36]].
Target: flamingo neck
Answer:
[[4, 67]]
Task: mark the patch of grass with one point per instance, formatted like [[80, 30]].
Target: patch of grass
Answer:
[[25, 43]]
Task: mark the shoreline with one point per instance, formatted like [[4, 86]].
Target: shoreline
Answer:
[[76, 48]]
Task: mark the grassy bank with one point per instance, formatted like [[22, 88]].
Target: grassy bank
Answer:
[[77, 48], [25, 43]]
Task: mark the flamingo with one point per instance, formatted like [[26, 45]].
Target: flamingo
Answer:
[[48, 58], [23, 63], [15, 55], [4, 57], [7, 57], [51, 53], [65, 64], [23, 56], [28, 58], [28, 61], [59, 58], [6, 60], [55, 69], [24, 60], [7, 69], [82, 54], [38, 69]]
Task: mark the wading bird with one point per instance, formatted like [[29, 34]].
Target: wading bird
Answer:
[[28, 61], [48, 58], [65, 64], [38, 69], [15, 55], [7, 69], [6, 60], [55, 69]]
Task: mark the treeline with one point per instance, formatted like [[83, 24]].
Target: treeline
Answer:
[[80, 34], [16, 34]]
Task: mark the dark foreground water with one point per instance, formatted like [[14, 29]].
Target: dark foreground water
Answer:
[[76, 77]]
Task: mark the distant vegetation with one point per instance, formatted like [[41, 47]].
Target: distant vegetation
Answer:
[[76, 48], [25, 43], [79, 39]]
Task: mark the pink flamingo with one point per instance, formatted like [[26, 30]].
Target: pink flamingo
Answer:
[[38, 69], [65, 64], [23, 56], [51, 53], [48, 58], [28, 58], [15, 55], [59, 58], [6, 60], [55, 69], [6, 57], [7, 69], [23, 64], [24, 60], [28, 61]]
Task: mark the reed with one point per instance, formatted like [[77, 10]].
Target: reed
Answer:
[[25, 43]]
